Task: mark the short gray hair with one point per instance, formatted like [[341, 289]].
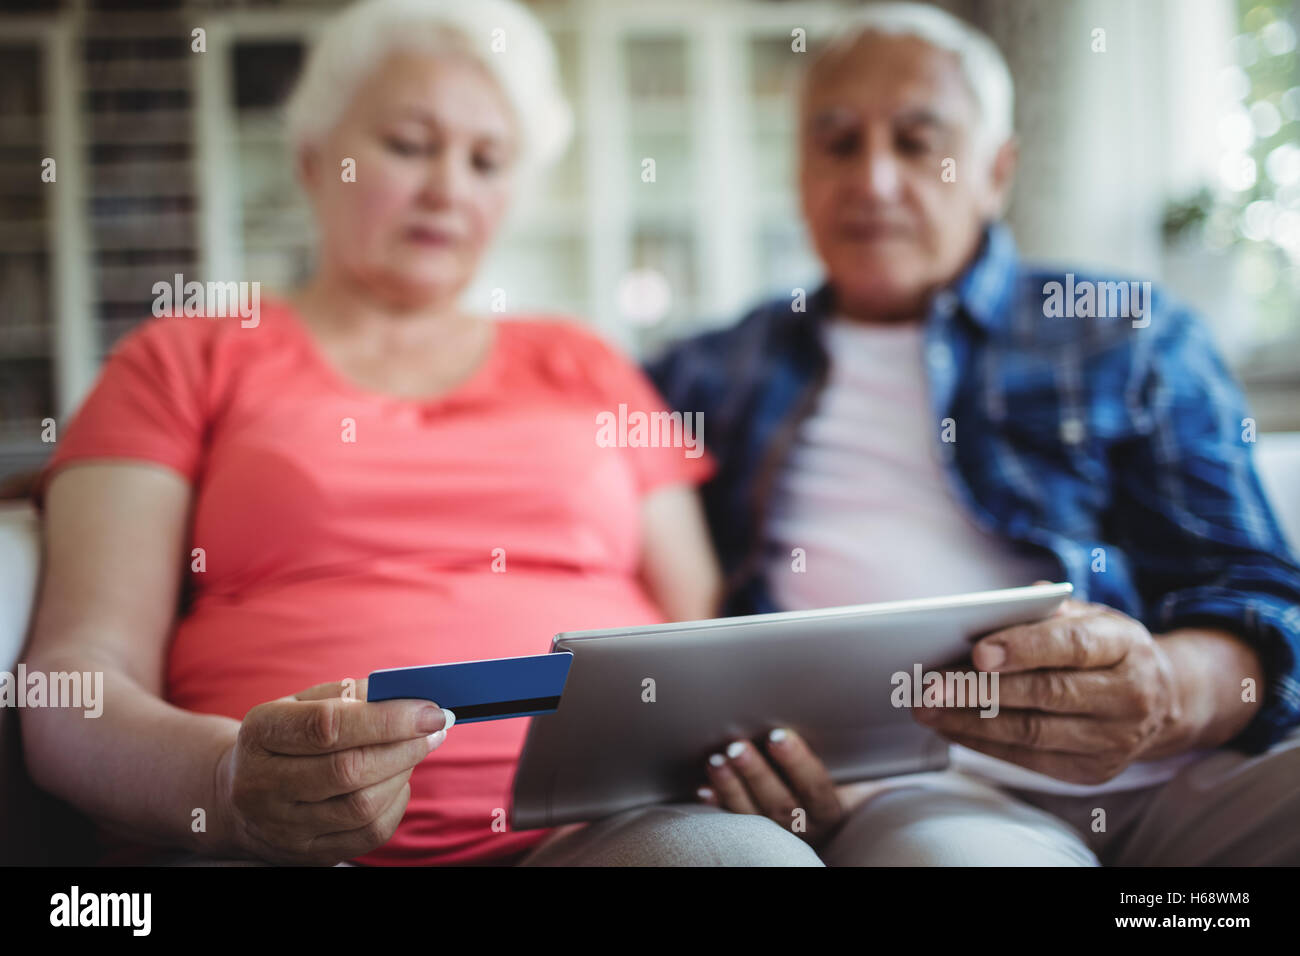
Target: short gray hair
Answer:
[[354, 42], [982, 64]]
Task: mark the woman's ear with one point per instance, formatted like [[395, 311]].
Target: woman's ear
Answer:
[[305, 167]]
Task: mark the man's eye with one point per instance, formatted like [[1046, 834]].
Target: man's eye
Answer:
[[911, 146], [842, 146]]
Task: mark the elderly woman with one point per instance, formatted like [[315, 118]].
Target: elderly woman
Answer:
[[366, 477]]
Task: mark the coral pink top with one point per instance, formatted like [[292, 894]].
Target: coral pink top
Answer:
[[329, 558]]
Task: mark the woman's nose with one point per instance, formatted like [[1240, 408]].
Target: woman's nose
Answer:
[[445, 180]]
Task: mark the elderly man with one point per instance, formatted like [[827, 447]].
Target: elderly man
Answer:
[[940, 418]]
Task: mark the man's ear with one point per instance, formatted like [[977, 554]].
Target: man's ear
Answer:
[[1002, 174]]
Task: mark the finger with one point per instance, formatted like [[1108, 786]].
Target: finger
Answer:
[[332, 847], [321, 777], [1070, 768], [707, 795], [1067, 692], [347, 811], [728, 786], [1087, 640], [764, 784], [1068, 605], [333, 724], [808, 777], [347, 689], [1031, 729]]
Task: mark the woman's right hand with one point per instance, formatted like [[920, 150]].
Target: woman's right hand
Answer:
[[318, 778]]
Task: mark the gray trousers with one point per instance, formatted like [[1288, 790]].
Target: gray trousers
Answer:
[[1225, 809]]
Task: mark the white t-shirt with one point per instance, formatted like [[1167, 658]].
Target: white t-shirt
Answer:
[[866, 499]]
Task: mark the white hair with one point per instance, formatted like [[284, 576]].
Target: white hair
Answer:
[[502, 35], [982, 64]]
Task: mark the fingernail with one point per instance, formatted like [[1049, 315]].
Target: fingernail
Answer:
[[704, 793], [450, 715], [436, 739], [429, 719], [717, 760], [778, 735], [994, 655], [735, 749]]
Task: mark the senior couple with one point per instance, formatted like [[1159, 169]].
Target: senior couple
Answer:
[[240, 519]]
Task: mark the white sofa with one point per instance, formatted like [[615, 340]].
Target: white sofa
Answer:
[[20, 806]]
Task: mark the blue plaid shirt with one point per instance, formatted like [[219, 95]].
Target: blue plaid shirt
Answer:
[[1099, 443]]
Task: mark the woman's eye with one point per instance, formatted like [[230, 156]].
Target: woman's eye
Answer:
[[486, 164], [405, 147]]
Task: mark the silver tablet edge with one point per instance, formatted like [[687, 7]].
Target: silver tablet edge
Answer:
[[974, 599]]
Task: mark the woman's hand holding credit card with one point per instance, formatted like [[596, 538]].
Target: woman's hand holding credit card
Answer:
[[322, 776]]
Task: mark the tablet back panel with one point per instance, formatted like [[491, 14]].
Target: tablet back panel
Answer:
[[645, 707]]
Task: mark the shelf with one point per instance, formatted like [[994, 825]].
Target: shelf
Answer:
[[16, 436], [117, 283], [120, 180], [19, 174], [135, 74], [158, 232], [23, 235], [152, 127], [111, 330], [24, 340], [19, 131]]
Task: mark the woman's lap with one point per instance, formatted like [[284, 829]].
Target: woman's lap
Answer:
[[940, 819], [950, 819], [676, 835], [937, 819]]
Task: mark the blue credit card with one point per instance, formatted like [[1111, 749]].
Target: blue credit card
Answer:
[[481, 690]]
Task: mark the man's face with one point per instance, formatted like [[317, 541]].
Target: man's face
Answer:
[[877, 123]]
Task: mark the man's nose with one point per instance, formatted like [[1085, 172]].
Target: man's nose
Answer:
[[879, 176]]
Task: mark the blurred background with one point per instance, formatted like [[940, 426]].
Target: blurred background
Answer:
[[1168, 151]]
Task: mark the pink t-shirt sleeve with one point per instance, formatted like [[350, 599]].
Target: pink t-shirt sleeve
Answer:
[[679, 455], [146, 405]]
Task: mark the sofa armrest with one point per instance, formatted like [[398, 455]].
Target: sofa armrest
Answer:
[[20, 563], [1278, 461], [35, 828]]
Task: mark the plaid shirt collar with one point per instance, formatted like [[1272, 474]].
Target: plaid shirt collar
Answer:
[[982, 291], [985, 288]]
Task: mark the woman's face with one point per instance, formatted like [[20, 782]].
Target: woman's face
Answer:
[[433, 140]]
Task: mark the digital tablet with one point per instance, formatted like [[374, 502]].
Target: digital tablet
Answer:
[[644, 707]]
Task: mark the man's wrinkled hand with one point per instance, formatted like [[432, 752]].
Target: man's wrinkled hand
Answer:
[[1081, 696]]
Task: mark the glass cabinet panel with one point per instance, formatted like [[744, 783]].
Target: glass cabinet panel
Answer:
[[26, 316]]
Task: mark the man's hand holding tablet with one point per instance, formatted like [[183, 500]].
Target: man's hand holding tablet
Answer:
[[1088, 691]]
